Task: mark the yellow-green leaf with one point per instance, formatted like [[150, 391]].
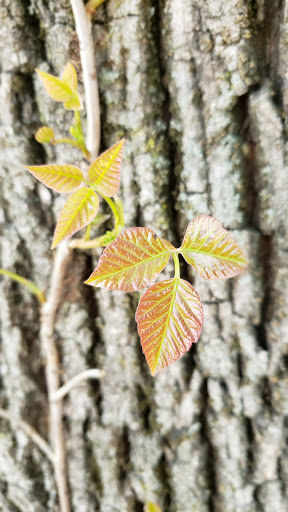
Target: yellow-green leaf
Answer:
[[44, 135], [55, 87], [132, 261], [170, 318], [78, 211], [58, 90], [152, 507], [69, 77], [61, 178], [211, 250], [104, 173], [74, 103]]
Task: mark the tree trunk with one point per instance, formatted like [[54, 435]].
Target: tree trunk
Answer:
[[199, 90]]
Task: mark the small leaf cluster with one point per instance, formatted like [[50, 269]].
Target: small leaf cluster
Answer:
[[82, 206], [170, 313], [80, 210]]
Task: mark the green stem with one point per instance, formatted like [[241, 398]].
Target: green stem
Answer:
[[177, 266], [87, 234], [81, 147], [120, 209], [25, 282], [114, 211], [78, 126]]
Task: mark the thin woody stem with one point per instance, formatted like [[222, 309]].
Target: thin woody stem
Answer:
[[53, 382], [89, 73], [30, 432], [93, 373]]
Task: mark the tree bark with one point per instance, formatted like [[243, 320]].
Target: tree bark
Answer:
[[199, 90]]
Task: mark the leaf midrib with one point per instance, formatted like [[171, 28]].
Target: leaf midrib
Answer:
[[107, 167], [76, 212], [176, 283], [142, 262], [226, 258]]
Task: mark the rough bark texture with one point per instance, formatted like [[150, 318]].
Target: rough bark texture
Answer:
[[200, 92]]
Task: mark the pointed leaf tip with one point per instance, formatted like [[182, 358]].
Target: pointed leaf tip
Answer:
[[69, 77], [132, 261], [61, 178], [170, 318], [211, 250], [78, 211], [104, 173]]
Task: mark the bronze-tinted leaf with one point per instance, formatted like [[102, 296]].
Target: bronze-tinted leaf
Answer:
[[211, 250], [170, 318], [78, 211], [45, 134], [104, 173], [132, 261], [61, 178]]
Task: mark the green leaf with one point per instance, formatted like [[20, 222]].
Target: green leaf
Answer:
[[78, 211], [104, 173], [170, 318], [132, 261], [44, 135], [74, 103], [60, 91], [211, 250], [61, 178], [152, 507], [33, 288], [69, 77]]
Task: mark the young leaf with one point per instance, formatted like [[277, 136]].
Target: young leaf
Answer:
[[58, 90], [211, 250], [132, 261], [152, 507], [170, 318], [44, 135], [61, 178], [69, 77], [78, 211], [104, 173]]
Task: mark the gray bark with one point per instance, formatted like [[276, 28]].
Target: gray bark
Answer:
[[200, 92]]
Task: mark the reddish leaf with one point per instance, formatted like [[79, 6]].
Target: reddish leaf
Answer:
[[78, 211], [170, 318], [104, 173], [211, 250], [132, 261], [61, 178], [44, 135]]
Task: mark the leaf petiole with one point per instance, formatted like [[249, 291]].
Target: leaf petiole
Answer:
[[66, 140], [114, 210], [33, 288], [177, 266]]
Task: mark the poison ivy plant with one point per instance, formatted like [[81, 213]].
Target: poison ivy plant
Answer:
[[103, 177], [170, 313], [82, 206]]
